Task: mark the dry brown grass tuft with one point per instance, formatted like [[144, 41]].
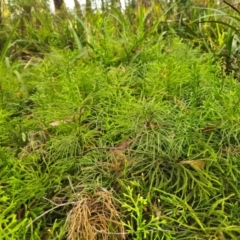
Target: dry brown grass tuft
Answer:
[[94, 216]]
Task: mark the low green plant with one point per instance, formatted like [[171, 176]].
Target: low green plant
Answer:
[[138, 226]]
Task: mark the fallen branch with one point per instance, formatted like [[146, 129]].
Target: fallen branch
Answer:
[[43, 214]]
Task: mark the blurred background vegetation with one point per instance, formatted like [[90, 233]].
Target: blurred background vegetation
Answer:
[[212, 25]]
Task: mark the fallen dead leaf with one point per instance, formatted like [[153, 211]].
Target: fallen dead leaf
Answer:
[[198, 164], [123, 144], [208, 129], [57, 123]]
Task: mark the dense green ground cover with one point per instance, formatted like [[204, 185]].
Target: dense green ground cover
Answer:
[[165, 127], [129, 132]]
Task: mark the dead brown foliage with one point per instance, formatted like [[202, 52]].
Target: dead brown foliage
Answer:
[[94, 216]]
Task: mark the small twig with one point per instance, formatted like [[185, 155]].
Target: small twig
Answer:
[[50, 201], [110, 233], [43, 214]]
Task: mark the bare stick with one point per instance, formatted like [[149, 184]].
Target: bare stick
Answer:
[[60, 205], [50, 201]]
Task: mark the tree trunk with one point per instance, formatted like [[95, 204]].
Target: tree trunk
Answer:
[[88, 5], [77, 7], [1, 10], [58, 4]]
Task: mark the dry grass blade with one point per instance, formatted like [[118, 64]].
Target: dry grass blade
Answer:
[[95, 214]]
